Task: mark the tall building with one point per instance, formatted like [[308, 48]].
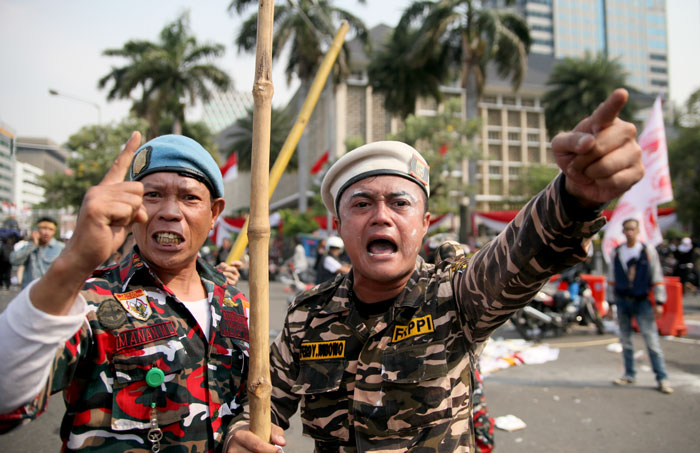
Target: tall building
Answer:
[[631, 31], [43, 153], [7, 138], [27, 185]]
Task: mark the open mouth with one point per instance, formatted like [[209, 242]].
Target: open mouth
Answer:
[[168, 238], [381, 247]]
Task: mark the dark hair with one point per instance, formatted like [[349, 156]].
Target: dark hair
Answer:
[[631, 219], [47, 219]]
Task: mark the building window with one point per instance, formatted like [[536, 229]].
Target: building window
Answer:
[[514, 154], [508, 100], [527, 102], [658, 70], [655, 56], [494, 170], [495, 152], [659, 83], [533, 155], [533, 120], [513, 172], [495, 187], [513, 136], [533, 138], [489, 100], [494, 117], [494, 135], [513, 118]]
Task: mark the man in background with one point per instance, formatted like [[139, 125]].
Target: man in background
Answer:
[[39, 253]]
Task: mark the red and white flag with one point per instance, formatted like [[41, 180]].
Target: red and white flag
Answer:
[[230, 169], [318, 165], [640, 202]]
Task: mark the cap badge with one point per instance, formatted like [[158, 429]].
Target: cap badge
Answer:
[[420, 170], [141, 161]]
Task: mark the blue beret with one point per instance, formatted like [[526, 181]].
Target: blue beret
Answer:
[[181, 155]]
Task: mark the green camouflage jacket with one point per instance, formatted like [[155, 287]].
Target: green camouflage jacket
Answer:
[[136, 324], [406, 384]]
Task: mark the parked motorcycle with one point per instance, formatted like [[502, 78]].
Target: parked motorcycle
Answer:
[[555, 308]]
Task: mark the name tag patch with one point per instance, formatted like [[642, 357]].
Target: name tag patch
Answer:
[[136, 304], [323, 350], [417, 326], [143, 335], [234, 325]]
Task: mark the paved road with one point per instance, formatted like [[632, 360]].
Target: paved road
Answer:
[[569, 404]]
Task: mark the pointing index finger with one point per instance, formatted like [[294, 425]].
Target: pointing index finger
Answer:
[[606, 113], [120, 166]]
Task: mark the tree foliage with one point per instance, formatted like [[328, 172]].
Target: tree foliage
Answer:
[[444, 140], [295, 223], [307, 28], [684, 160], [533, 178], [281, 122], [170, 73], [94, 149], [577, 86]]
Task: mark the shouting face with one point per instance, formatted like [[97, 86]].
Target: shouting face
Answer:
[[180, 216], [382, 220]]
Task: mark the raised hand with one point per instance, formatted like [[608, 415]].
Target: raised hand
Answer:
[[107, 212], [600, 157]]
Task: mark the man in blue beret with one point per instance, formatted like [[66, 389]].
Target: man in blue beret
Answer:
[[152, 352]]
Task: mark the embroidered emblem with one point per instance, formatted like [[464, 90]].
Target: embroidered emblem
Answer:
[[417, 326], [136, 304], [234, 325], [111, 314], [420, 170], [323, 350], [142, 335], [141, 161]]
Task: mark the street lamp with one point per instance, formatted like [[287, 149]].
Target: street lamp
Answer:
[[53, 92]]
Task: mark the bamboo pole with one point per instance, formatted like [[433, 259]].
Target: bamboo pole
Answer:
[[292, 140], [259, 382]]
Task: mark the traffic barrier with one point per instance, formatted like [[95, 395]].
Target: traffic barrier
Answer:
[[671, 322], [597, 284]]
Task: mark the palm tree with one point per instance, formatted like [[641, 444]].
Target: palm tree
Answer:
[[474, 35], [307, 27], [171, 73], [280, 124], [402, 80], [577, 86]]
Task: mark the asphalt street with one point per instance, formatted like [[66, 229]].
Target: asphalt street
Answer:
[[569, 405]]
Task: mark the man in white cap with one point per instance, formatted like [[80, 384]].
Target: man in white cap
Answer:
[[381, 359]]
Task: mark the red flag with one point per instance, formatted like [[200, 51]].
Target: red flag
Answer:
[[318, 165], [230, 169], [443, 150]]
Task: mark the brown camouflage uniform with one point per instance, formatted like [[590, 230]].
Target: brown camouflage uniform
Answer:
[[405, 384], [102, 370]]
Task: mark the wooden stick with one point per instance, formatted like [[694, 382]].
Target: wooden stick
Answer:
[[259, 382]]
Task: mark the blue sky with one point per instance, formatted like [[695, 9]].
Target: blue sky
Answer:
[[58, 44]]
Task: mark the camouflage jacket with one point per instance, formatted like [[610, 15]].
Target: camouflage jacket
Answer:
[[405, 385], [135, 324]]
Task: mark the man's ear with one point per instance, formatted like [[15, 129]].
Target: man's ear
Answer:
[[336, 224], [217, 207]]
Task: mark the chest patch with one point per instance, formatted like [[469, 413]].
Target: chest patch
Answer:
[[136, 304], [143, 335], [323, 350], [234, 325], [417, 326]]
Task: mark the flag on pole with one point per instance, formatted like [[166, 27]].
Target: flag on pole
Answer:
[[318, 165], [640, 202], [230, 169], [443, 149]]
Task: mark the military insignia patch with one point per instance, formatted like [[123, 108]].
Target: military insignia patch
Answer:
[[141, 161], [420, 170], [111, 314], [322, 350], [136, 304], [415, 327], [234, 325]]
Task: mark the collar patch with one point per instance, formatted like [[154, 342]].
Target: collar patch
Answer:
[[323, 350], [417, 326], [136, 304]]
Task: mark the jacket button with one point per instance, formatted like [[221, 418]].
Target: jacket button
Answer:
[[155, 377]]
